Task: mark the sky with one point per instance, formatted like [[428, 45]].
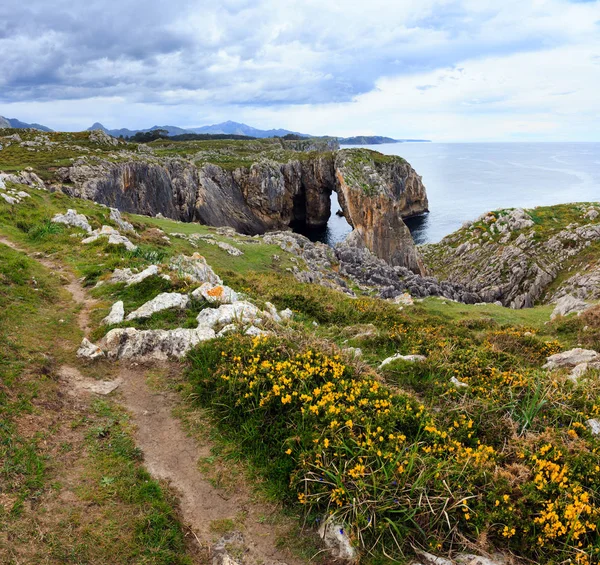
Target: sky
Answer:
[[446, 70]]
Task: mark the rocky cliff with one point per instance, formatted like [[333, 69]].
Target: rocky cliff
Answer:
[[375, 192], [523, 257]]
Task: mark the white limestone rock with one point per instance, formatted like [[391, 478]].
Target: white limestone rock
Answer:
[[355, 352], [568, 305], [241, 312], [571, 358], [458, 384], [337, 541], [194, 269], [409, 358], [404, 299], [227, 330], [256, 332], [594, 426], [72, 218], [163, 301], [116, 315], [215, 294], [121, 240], [87, 350], [129, 277], [130, 343], [115, 216], [229, 248], [9, 199], [286, 314]]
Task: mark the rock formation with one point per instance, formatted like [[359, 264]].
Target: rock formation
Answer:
[[375, 193]]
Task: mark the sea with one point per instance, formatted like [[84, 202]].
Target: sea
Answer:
[[464, 180]]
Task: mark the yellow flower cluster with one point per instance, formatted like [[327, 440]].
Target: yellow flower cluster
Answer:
[[568, 512]]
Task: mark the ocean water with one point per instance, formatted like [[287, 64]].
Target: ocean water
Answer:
[[464, 180]]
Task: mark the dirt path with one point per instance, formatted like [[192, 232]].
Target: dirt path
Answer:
[[169, 453]]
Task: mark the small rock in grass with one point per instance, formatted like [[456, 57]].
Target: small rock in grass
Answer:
[[571, 358], [116, 315], [163, 301], [594, 426], [286, 314], [405, 299], [194, 269], [409, 358], [256, 332], [227, 330], [337, 541], [88, 350], [9, 199], [355, 352], [457, 383], [115, 216], [72, 218]]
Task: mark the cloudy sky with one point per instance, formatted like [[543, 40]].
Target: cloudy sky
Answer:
[[449, 70]]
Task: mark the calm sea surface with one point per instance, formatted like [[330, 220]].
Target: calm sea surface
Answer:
[[464, 180]]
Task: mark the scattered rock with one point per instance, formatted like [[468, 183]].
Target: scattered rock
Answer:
[[469, 559], [336, 540], [115, 216], [194, 269], [256, 332], [129, 277], [409, 358], [229, 248], [163, 301], [130, 343], [88, 350], [355, 352], [9, 199], [405, 299], [241, 312], [116, 315], [594, 426], [458, 384], [571, 358], [215, 294], [72, 218], [114, 238], [286, 314], [568, 305]]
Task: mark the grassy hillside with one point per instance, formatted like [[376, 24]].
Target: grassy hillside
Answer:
[[399, 454]]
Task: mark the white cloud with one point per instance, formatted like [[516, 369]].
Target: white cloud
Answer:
[[444, 69]]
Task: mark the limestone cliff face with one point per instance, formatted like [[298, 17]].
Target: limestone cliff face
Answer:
[[375, 193]]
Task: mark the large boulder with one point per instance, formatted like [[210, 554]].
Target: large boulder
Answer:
[[130, 343]]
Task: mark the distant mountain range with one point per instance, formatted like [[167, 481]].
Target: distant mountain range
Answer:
[[227, 128], [18, 124], [224, 128]]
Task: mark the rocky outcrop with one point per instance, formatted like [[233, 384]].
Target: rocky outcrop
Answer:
[[375, 192], [505, 256]]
